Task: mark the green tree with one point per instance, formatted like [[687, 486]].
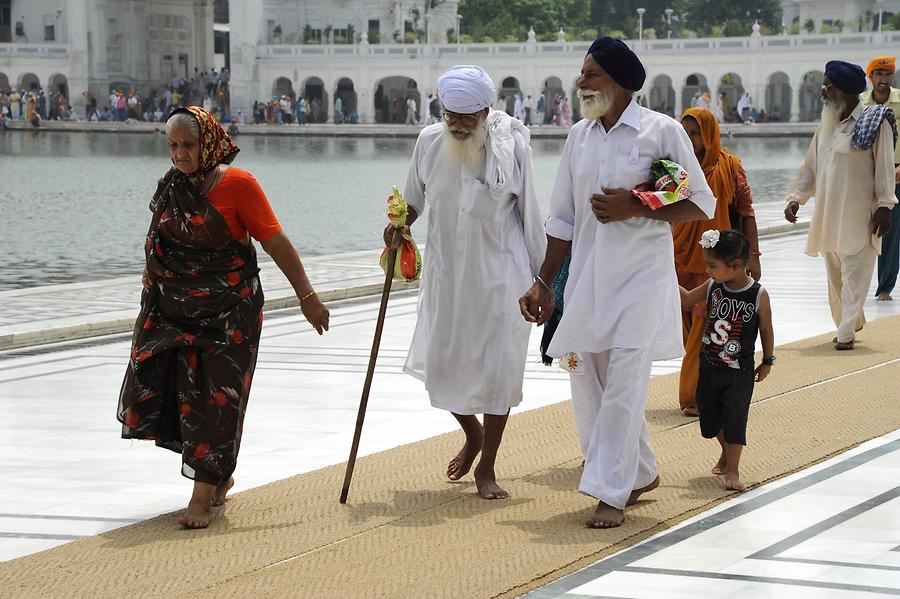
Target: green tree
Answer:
[[511, 19], [703, 15]]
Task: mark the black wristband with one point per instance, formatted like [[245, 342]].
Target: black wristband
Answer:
[[770, 361]]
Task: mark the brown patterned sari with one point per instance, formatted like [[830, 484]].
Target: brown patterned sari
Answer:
[[196, 337]]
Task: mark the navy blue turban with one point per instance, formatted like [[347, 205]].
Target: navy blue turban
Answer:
[[619, 61], [848, 77]]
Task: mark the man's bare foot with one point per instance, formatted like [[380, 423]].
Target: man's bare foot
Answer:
[[221, 491], [462, 462], [606, 516], [197, 513], [486, 483], [843, 345], [733, 482], [719, 468], [632, 499], [690, 412], [884, 296]]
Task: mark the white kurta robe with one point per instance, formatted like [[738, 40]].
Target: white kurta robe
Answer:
[[622, 308], [485, 241], [622, 291]]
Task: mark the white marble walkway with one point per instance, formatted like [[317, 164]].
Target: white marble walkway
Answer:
[[829, 532]]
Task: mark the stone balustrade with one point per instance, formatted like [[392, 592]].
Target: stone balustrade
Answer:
[[719, 45]]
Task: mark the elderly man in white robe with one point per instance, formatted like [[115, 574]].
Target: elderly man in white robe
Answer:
[[854, 191], [622, 308], [485, 242]]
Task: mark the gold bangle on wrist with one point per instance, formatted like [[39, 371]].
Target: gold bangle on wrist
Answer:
[[308, 295]]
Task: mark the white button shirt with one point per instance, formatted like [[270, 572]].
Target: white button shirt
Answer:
[[622, 291]]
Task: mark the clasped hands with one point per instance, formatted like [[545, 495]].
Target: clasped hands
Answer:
[[537, 304]]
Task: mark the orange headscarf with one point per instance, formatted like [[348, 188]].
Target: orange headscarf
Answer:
[[216, 147], [719, 167]]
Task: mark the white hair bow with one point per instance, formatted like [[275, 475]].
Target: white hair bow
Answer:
[[709, 239]]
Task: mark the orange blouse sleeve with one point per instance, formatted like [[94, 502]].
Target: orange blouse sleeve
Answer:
[[250, 204]]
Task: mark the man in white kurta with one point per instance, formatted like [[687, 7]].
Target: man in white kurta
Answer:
[[622, 309], [854, 193], [485, 242]]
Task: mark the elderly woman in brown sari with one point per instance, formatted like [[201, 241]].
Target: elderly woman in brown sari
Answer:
[[197, 334], [728, 182]]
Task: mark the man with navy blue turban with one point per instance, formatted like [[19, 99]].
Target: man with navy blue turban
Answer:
[[854, 194], [485, 242], [622, 307]]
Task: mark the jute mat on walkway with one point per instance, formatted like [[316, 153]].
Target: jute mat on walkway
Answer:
[[406, 532]]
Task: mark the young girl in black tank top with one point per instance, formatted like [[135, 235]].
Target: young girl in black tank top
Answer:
[[737, 310]]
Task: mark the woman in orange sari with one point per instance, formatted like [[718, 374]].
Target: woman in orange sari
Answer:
[[728, 182]]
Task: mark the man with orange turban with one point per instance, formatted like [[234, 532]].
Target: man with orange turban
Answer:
[[881, 72], [728, 182]]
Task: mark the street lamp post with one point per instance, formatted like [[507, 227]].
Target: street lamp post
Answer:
[[669, 12], [428, 29], [458, 19], [640, 13], [880, 10]]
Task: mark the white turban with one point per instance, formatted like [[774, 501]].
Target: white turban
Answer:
[[465, 89]]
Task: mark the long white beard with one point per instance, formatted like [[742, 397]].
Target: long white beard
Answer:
[[830, 119], [594, 104], [469, 151]]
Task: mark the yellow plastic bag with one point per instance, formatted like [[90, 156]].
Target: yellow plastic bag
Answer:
[[408, 264]]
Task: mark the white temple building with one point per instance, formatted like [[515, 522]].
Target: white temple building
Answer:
[[374, 54]]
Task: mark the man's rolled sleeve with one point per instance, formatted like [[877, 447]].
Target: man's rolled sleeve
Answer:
[[561, 223], [559, 229]]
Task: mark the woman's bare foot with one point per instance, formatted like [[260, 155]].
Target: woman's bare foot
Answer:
[[733, 482], [197, 513], [606, 516], [633, 498], [221, 491], [486, 483], [690, 412], [462, 462], [719, 468]]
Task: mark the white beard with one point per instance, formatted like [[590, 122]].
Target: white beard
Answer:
[[469, 151], [830, 119], [594, 104]]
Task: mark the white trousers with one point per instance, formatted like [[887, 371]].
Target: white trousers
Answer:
[[849, 278], [608, 400]]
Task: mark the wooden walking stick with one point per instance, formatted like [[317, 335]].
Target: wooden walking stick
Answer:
[[379, 325]]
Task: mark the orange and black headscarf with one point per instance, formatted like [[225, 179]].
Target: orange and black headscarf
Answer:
[[216, 147], [720, 169]]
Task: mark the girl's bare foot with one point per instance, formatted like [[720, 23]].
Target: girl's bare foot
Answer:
[[462, 462], [733, 482], [719, 468], [606, 516], [197, 513], [633, 498], [221, 491], [486, 483]]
